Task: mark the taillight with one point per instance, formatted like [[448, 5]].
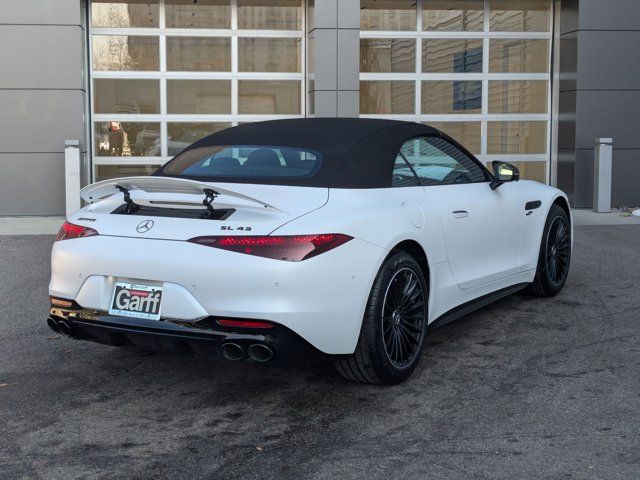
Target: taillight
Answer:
[[70, 230], [292, 248], [256, 324]]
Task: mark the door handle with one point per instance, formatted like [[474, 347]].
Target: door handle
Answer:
[[460, 214]]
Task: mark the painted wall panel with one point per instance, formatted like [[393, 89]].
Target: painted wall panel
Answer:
[[31, 184], [48, 57]]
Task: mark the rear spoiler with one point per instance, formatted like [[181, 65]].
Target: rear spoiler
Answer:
[[96, 191]]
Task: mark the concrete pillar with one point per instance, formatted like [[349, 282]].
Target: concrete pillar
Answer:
[[602, 175], [333, 58]]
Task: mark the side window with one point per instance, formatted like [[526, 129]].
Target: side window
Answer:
[[402, 174], [437, 162]]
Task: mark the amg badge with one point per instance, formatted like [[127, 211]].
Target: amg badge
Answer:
[[139, 301]]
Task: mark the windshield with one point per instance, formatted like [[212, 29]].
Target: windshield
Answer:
[[242, 161]]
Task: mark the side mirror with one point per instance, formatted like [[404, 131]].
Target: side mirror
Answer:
[[503, 172]]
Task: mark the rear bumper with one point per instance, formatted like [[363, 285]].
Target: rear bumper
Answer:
[[321, 299], [203, 337]]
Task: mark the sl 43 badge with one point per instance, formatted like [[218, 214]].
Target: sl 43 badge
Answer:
[[241, 229]]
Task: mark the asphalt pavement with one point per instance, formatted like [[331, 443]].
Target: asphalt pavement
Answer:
[[525, 388]]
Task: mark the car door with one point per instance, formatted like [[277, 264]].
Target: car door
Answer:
[[481, 226]]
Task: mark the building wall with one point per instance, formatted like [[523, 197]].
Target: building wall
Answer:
[[333, 57], [599, 96], [41, 101]]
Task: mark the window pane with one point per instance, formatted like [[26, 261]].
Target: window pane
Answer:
[[127, 139], [270, 14], [121, 52], [515, 138], [451, 56], [126, 96], [453, 15], [200, 14], [438, 162], [124, 13], [387, 96], [242, 161], [520, 16], [181, 135], [107, 172], [514, 56], [403, 175], [199, 96], [199, 54], [269, 97], [387, 15], [451, 97], [269, 55], [518, 96], [465, 133], [387, 55]]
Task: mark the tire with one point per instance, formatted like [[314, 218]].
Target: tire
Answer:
[[554, 245], [390, 345]]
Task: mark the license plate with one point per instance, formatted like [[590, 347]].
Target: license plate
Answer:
[[133, 300]]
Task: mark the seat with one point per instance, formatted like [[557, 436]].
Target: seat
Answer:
[[263, 158]]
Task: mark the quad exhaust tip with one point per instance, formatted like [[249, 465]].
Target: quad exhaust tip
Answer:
[[53, 325], [65, 328], [260, 352], [232, 351]]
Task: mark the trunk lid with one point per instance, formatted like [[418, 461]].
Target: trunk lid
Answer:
[[174, 205]]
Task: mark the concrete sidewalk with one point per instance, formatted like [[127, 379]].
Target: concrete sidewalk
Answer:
[[50, 225]]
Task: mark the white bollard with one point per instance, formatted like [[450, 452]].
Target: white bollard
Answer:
[[602, 175], [72, 175]]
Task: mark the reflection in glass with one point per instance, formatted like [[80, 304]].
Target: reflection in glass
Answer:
[[520, 16], [387, 15], [451, 56], [465, 133], [269, 54], [453, 15], [199, 96], [107, 172], [451, 97], [181, 134], [269, 97], [122, 52], [515, 138], [127, 139], [198, 13], [386, 97], [387, 55], [199, 54], [518, 96], [126, 96], [124, 13], [270, 14], [515, 56]]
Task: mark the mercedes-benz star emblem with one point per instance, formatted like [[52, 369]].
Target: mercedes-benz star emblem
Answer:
[[144, 226]]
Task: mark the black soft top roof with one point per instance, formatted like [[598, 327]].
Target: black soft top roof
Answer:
[[357, 152]]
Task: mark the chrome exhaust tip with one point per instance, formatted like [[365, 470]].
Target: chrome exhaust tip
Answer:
[[65, 328], [232, 351], [260, 352], [53, 325]]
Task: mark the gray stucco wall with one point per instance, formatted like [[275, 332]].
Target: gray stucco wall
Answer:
[[599, 96], [333, 65], [42, 97]]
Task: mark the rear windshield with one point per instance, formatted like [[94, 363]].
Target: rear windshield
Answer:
[[241, 161]]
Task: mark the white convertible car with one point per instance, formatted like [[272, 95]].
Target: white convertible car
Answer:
[[274, 240]]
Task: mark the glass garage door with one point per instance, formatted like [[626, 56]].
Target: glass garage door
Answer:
[[165, 73], [478, 70]]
